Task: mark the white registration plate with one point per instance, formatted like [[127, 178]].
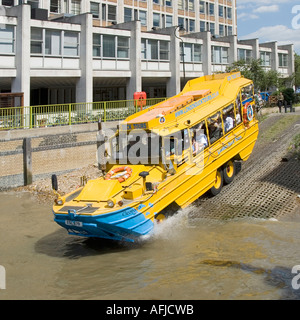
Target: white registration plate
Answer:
[[73, 223]]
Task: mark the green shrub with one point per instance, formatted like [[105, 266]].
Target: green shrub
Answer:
[[289, 94]]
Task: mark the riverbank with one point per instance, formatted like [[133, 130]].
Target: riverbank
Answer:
[[67, 182]]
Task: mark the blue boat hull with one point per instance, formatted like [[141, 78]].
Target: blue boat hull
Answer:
[[123, 225]]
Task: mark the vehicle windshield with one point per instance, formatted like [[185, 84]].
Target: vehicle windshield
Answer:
[[136, 147]]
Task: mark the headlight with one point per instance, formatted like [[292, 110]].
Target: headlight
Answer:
[[59, 201], [111, 202]]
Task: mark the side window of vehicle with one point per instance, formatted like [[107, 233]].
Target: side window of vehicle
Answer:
[[199, 138], [215, 127], [229, 118], [247, 93], [238, 112]]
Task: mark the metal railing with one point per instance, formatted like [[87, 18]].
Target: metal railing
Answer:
[[70, 113]]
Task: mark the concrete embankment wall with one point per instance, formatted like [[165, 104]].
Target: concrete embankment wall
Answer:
[[34, 154]]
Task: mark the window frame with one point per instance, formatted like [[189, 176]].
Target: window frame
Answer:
[[265, 62], [12, 41], [283, 60], [150, 46], [70, 45], [75, 7], [118, 48], [37, 42], [57, 6], [193, 53], [111, 16], [221, 55], [96, 10]]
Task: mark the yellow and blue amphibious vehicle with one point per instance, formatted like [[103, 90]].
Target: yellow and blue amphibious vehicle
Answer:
[[170, 153]]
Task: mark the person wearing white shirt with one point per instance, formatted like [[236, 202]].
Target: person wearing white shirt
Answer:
[[228, 123]]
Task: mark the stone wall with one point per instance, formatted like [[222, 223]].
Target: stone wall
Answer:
[[29, 155]]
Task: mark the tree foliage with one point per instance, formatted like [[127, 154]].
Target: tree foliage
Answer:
[[263, 80]]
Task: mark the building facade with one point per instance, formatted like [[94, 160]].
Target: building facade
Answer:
[[82, 51]]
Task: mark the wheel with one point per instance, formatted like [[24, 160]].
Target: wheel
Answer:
[[216, 189], [229, 171]]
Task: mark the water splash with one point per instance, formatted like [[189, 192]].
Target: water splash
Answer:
[[173, 225]]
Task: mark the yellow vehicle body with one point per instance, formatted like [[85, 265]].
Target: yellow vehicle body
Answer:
[[126, 209]]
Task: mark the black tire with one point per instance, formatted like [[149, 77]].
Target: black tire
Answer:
[[229, 171], [216, 189]]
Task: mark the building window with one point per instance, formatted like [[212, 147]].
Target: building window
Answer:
[[265, 58], [71, 44], [229, 13], [168, 3], [152, 49], [202, 26], [230, 30], [164, 50], [221, 30], [123, 47], [156, 1], [191, 25], [192, 52], [283, 60], [95, 10], [180, 5], [181, 21], [143, 17], [75, 7], [155, 50], [156, 19], [190, 5], [211, 9], [197, 52], [53, 42], [36, 41], [143, 49], [109, 46], [202, 7], [66, 6], [244, 54], [96, 45], [49, 42], [169, 21], [212, 28], [127, 14], [111, 13], [221, 11], [7, 39], [55, 6], [219, 55]]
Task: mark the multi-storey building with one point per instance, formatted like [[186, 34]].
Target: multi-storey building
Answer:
[[60, 51]]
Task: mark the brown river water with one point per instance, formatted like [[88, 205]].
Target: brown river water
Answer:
[[187, 258]]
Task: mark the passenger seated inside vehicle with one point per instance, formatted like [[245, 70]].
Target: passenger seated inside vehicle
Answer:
[[228, 118], [199, 140], [247, 92], [215, 128], [238, 110]]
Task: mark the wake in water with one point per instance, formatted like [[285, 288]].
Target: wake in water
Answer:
[[175, 223]]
